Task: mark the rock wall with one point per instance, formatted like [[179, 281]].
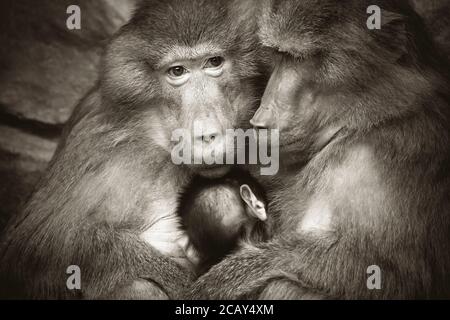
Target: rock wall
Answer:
[[44, 70]]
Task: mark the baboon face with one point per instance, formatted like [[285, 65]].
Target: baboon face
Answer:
[[191, 70], [322, 50], [289, 102]]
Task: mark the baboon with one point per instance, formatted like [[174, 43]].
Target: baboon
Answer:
[[109, 198], [220, 215], [365, 152]]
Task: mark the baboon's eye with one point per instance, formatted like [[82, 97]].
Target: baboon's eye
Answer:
[[214, 62], [177, 71]]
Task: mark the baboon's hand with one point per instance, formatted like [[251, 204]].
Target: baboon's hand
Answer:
[[239, 276]]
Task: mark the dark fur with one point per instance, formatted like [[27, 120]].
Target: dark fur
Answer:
[[202, 206], [102, 188], [387, 93]]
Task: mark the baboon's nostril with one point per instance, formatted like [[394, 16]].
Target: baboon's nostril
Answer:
[[208, 137]]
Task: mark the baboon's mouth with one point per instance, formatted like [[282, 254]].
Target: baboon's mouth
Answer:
[[213, 171]]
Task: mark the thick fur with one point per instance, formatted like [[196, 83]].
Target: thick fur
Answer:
[[377, 191], [112, 178]]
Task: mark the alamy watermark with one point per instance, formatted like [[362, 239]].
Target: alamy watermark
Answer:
[[374, 279], [74, 280], [374, 20], [73, 22], [238, 146]]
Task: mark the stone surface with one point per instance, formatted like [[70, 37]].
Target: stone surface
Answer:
[[23, 157], [45, 69]]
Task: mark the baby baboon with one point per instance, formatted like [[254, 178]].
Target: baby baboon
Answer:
[[108, 202], [364, 180], [220, 214]]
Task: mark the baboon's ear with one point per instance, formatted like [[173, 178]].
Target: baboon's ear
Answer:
[[255, 207]]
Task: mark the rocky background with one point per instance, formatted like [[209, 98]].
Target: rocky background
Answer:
[[45, 69]]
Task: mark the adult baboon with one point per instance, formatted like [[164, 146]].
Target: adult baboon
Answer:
[[365, 152], [108, 200]]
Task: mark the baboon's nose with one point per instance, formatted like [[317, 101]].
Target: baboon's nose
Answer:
[[208, 136], [263, 119]]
